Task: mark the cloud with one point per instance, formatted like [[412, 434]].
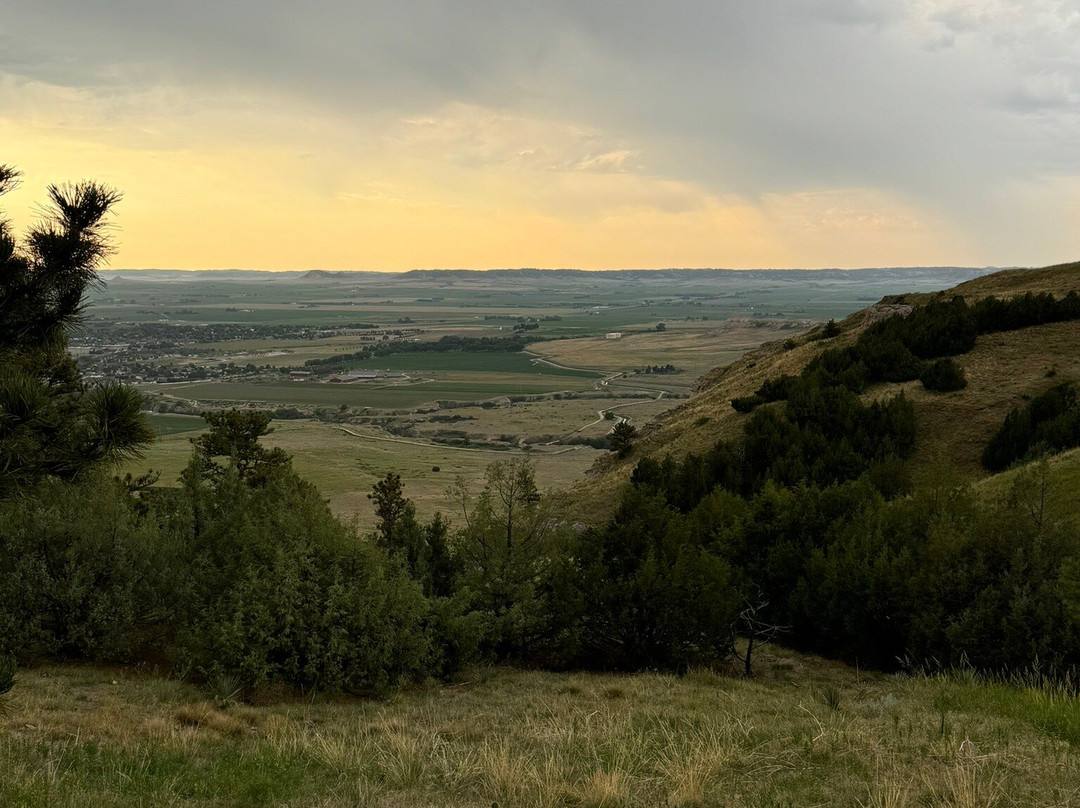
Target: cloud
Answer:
[[851, 12], [560, 106], [620, 160]]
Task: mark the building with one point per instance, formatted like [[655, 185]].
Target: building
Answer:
[[613, 335], [364, 376], [354, 376]]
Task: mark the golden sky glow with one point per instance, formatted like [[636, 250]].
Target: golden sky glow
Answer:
[[541, 168], [406, 206]]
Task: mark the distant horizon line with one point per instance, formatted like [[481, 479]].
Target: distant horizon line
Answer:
[[562, 269]]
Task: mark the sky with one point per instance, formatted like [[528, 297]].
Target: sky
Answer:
[[598, 134]]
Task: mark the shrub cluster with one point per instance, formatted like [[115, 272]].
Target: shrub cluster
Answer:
[[937, 577], [240, 573], [824, 435], [1050, 422], [943, 376], [902, 349]]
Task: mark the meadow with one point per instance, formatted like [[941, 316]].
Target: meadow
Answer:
[[800, 732], [346, 461]]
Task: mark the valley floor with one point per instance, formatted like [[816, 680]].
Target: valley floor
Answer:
[[802, 732]]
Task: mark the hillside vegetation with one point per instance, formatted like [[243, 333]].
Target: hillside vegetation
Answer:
[[1002, 370]]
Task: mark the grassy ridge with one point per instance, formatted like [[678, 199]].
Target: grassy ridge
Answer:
[[802, 732], [1003, 370]]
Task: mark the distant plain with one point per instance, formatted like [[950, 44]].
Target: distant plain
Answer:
[[591, 337]]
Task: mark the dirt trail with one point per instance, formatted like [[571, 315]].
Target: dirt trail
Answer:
[[605, 383], [600, 417]]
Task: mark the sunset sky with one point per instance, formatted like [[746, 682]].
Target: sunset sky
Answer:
[[596, 134]]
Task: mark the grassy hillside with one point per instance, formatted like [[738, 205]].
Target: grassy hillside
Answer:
[[1002, 371], [1058, 279], [1063, 480], [802, 732]]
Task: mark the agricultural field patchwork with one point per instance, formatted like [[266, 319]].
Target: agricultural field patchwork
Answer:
[[574, 354]]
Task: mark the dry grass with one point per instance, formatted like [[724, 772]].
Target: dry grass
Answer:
[[204, 716], [345, 467], [1002, 370], [695, 347], [535, 739], [1059, 279]]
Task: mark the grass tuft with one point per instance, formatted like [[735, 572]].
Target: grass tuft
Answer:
[[224, 688], [829, 694], [204, 716], [7, 682]]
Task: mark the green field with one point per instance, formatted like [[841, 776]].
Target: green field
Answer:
[[454, 387], [168, 424], [470, 362]]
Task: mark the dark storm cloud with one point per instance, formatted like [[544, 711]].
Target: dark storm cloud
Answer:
[[942, 100]]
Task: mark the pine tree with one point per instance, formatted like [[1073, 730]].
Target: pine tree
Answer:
[[622, 438], [52, 423], [234, 434]]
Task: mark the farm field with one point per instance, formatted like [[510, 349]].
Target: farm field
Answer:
[[163, 424], [801, 732], [472, 362], [465, 386], [259, 324], [346, 460], [689, 347]]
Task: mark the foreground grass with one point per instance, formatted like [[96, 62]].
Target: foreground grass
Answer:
[[802, 732]]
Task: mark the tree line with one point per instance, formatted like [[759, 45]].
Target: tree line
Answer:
[[450, 343]]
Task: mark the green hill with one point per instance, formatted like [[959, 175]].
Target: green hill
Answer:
[[1003, 370]]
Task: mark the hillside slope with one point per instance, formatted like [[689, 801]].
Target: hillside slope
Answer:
[[1002, 371]]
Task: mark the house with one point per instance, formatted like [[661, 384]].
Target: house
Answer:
[[354, 376]]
